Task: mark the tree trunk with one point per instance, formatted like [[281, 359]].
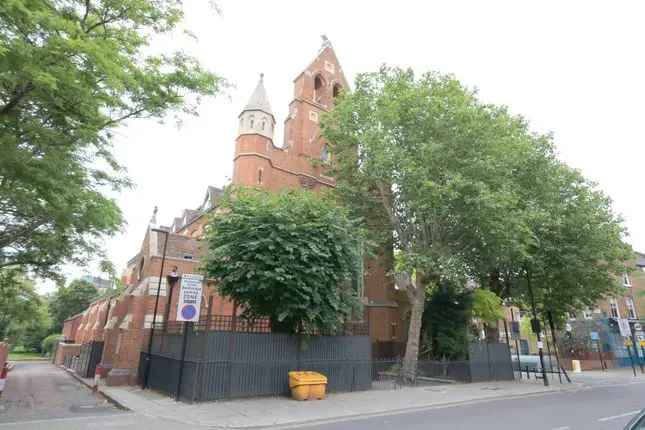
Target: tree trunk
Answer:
[[417, 301]]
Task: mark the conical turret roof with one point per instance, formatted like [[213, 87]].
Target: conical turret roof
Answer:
[[259, 99]]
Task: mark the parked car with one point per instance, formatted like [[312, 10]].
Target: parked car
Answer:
[[637, 423]]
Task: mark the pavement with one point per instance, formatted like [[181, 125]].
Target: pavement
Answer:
[[280, 411], [39, 395]]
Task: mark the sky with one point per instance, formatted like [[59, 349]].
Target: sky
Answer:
[[572, 68]]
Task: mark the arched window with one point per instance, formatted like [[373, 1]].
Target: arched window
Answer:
[[337, 90], [241, 122], [319, 85], [264, 123], [251, 122], [324, 155], [260, 174]]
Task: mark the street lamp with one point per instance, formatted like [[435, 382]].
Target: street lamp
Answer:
[[154, 316], [173, 277]]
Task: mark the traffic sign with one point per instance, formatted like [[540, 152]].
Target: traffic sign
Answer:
[[642, 343], [190, 297]]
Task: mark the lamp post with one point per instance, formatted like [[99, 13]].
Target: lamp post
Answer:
[[535, 325], [154, 316], [173, 277]]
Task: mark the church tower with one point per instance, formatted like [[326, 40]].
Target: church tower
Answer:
[[252, 163], [315, 89]]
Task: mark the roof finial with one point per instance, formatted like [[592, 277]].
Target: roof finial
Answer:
[[261, 77], [153, 219], [325, 42]]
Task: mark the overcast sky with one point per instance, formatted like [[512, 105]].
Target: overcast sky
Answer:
[[574, 68]]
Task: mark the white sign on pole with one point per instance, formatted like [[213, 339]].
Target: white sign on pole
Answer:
[[190, 297], [623, 326]]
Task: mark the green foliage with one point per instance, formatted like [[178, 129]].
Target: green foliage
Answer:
[[71, 71], [465, 190], [19, 301], [446, 322], [487, 306], [70, 300], [30, 334], [47, 344], [288, 256]]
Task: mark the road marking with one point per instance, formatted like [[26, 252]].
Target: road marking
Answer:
[[615, 417], [562, 428]]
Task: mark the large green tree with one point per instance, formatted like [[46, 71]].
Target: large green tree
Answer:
[[70, 300], [19, 301], [71, 71], [578, 254], [289, 256], [435, 168]]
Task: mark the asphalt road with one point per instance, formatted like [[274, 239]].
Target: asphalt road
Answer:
[[604, 405], [40, 396]]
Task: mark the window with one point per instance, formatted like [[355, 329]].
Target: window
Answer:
[[318, 88], [586, 314], [613, 307], [324, 156], [188, 257], [251, 122], [241, 122], [572, 316], [631, 309], [337, 90], [626, 282], [264, 123], [260, 174]]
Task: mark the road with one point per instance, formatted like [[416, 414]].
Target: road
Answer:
[[40, 396], [603, 405]]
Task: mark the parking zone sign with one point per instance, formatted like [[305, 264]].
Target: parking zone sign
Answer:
[[190, 297]]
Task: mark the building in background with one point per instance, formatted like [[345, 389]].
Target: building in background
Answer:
[[101, 285]]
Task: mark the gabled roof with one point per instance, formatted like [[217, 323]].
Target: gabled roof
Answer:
[[259, 99], [211, 199]]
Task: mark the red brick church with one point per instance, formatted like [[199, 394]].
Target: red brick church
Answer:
[[123, 323]]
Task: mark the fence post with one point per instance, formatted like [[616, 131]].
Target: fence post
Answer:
[[188, 327]]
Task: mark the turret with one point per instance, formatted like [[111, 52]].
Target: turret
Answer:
[[257, 116]]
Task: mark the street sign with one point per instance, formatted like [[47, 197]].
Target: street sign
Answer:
[[594, 335], [515, 329], [623, 326], [190, 297], [637, 326], [642, 343]]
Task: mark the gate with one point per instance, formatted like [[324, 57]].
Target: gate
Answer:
[[88, 358]]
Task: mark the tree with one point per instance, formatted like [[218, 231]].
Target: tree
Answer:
[[30, 334], [288, 256], [19, 301], [578, 254], [446, 321], [70, 300], [71, 71], [436, 169]]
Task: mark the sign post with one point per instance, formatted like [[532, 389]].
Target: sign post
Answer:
[[628, 344], [595, 337], [515, 330], [190, 301]]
